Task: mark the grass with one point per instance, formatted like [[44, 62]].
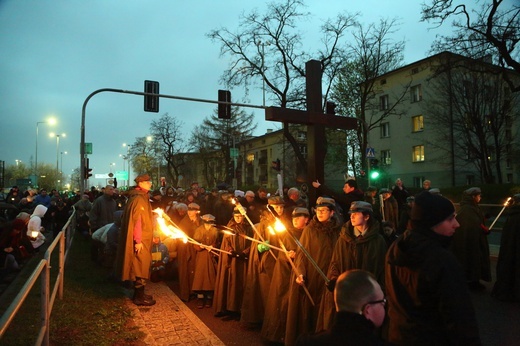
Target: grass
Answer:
[[92, 312]]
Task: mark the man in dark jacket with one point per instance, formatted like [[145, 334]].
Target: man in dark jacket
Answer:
[[351, 194], [428, 299], [134, 253], [360, 305]]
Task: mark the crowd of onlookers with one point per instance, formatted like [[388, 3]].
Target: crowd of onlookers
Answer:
[[420, 256]]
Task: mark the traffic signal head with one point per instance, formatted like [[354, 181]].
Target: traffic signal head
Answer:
[[374, 174], [330, 108], [151, 103], [224, 110], [374, 169], [87, 170]]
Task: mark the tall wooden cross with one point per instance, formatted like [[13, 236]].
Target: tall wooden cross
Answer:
[[316, 122]]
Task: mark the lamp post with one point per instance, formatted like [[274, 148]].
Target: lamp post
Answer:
[[61, 162], [129, 162], [57, 154], [17, 162], [50, 121]]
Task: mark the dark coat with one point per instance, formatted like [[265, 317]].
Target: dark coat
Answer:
[[259, 273], [349, 328], [352, 252], [205, 263], [231, 272], [507, 286], [319, 240], [428, 299], [470, 244], [186, 257], [130, 265], [273, 328]]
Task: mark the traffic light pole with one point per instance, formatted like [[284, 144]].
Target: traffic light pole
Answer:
[[121, 91]]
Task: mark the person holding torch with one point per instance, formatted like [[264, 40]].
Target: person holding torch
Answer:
[[318, 239]]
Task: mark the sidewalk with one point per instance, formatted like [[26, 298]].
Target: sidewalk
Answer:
[[170, 321]]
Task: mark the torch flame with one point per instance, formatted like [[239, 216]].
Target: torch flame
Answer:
[[507, 201], [279, 226], [271, 230], [34, 234], [170, 231]]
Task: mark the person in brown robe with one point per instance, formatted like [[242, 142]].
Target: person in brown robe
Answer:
[[134, 252], [232, 269], [319, 239], [261, 264], [205, 262], [273, 328], [186, 252]]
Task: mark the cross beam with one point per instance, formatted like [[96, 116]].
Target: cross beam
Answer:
[[316, 122]]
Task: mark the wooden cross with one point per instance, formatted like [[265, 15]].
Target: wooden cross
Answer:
[[316, 122]]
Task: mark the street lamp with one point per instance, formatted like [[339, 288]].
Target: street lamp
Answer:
[[51, 121], [17, 162]]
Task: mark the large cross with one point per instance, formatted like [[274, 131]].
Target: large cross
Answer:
[[316, 122]]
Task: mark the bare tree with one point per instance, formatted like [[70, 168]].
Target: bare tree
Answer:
[[215, 138], [167, 144], [492, 31], [269, 48], [371, 54], [473, 99]]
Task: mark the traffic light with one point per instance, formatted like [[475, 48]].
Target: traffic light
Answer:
[[374, 169], [224, 110], [330, 108], [151, 103], [88, 170]]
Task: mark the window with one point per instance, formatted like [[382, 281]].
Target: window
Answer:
[[302, 136], [418, 181], [416, 93], [386, 159], [250, 158], [418, 153], [418, 123], [385, 130], [383, 103], [509, 178], [415, 70], [382, 82], [470, 180]]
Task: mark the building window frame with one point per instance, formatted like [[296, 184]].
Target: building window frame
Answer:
[[418, 153], [386, 157], [385, 130], [383, 102], [417, 123], [416, 93]]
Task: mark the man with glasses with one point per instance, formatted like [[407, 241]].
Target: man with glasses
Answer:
[[428, 299], [360, 306]]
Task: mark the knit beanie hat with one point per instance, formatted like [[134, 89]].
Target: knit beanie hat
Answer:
[[429, 210]]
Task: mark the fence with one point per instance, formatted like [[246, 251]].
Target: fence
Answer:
[[63, 241]]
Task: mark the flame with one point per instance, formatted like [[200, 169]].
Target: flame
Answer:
[[507, 201], [34, 234], [279, 226], [170, 231], [158, 211], [271, 230], [227, 232]]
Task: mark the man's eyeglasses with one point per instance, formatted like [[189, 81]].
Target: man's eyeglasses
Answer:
[[382, 301]]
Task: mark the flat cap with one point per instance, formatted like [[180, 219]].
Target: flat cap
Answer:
[[193, 206], [385, 190], [142, 177], [300, 212], [276, 200], [473, 191], [325, 202], [208, 218], [360, 206]]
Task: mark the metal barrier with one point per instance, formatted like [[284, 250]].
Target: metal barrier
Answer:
[[64, 240]]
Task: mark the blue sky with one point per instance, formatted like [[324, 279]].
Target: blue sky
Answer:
[[54, 53]]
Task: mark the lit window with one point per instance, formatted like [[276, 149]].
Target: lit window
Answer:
[[385, 130], [418, 153], [416, 93], [418, 123], [250, 157], [383, 102]]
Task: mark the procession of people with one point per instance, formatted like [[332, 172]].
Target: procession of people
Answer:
[[246, 257]]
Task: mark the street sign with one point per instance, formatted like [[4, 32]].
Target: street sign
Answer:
[[88, 148], [122, 175], [233, 152], [371, 153]]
